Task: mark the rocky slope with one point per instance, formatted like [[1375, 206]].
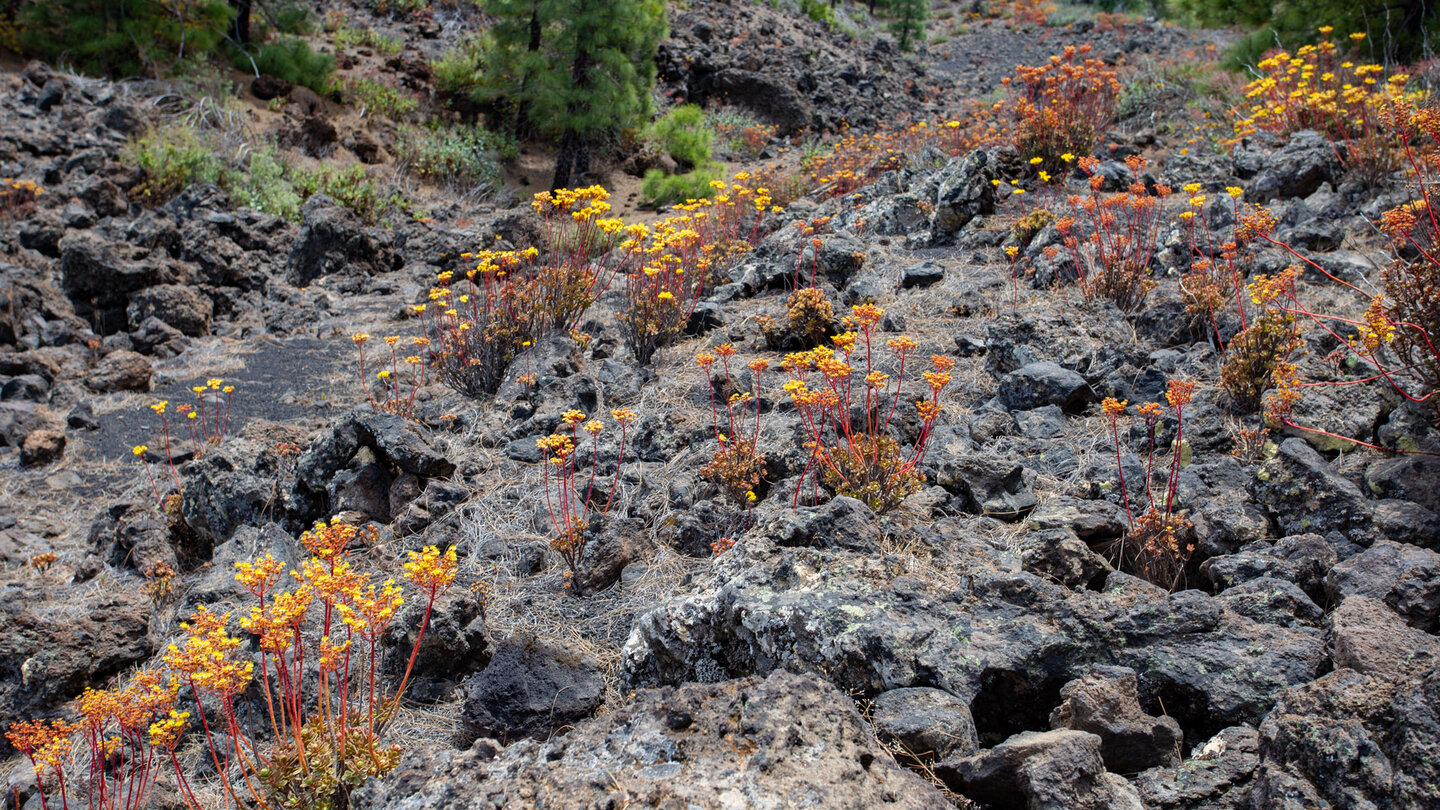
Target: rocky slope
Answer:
[[974, 647]]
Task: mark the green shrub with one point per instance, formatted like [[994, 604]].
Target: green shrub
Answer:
[[820, 11], [265, 187], [661, 189], [374, 98], [909, 24], [353, 188], [292, 60], [399, 7], [367, 37], [683, 133], [458, 72], [106, 37], [457, 155], [173, 158], [290, 18]]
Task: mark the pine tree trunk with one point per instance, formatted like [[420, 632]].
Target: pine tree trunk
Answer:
[[241, 29], [522, 115], [569, 145], [574, 154]]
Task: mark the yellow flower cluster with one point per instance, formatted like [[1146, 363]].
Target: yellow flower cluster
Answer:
[[205, 658], [1317, 88], [429, 570]]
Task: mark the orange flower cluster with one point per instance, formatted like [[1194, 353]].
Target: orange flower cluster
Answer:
[[865, 463], [1061, 106], [1153, 548], [17, 197], [1114, 248]]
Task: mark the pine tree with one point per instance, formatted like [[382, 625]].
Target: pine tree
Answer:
[[512, 57], [124, 37], [575, 69], [909, 24]]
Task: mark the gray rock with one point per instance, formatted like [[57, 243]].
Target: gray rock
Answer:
[[840, 523], [332, 240], [392, 439], [1297, 169], [1413, 478], [963, 193], [179, 306], [1351, 740], [1217, 775], [1306, 494], [120, 371], [225, 490], [363, 488], [456, 644], [931, 724], [986, 484], [1368, 637], [530, 688], [613, 544], [1402, 576], [996, 637], [1061, 555], [1407, 522], [1044, 383], [1105, 702], [1046, 422], [134, 536], [1090, 520], [1050, 770], [924, 274], [1272, 601], [742, 743], [42, 447]]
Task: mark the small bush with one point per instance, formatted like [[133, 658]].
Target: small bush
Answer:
[[1254, 354], [660, 189], [468, 155], [374, 98], [369, 38], [1062, 106], [292, 59], [819, 11], [353, 188], [683, 133], [399, 8], [739, 131], [265, 187], [290, 17], [859, 458], [458, 72], [173, 158]]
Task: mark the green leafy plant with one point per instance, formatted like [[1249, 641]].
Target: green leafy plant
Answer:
[[173, 157], [375, 98], [577, 70], [353, 188], [265, 186], [293, 60], [661, 189], [369, 38], [684, 134], [857, 457], [909, 23], [459, 71], [460, 154]]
